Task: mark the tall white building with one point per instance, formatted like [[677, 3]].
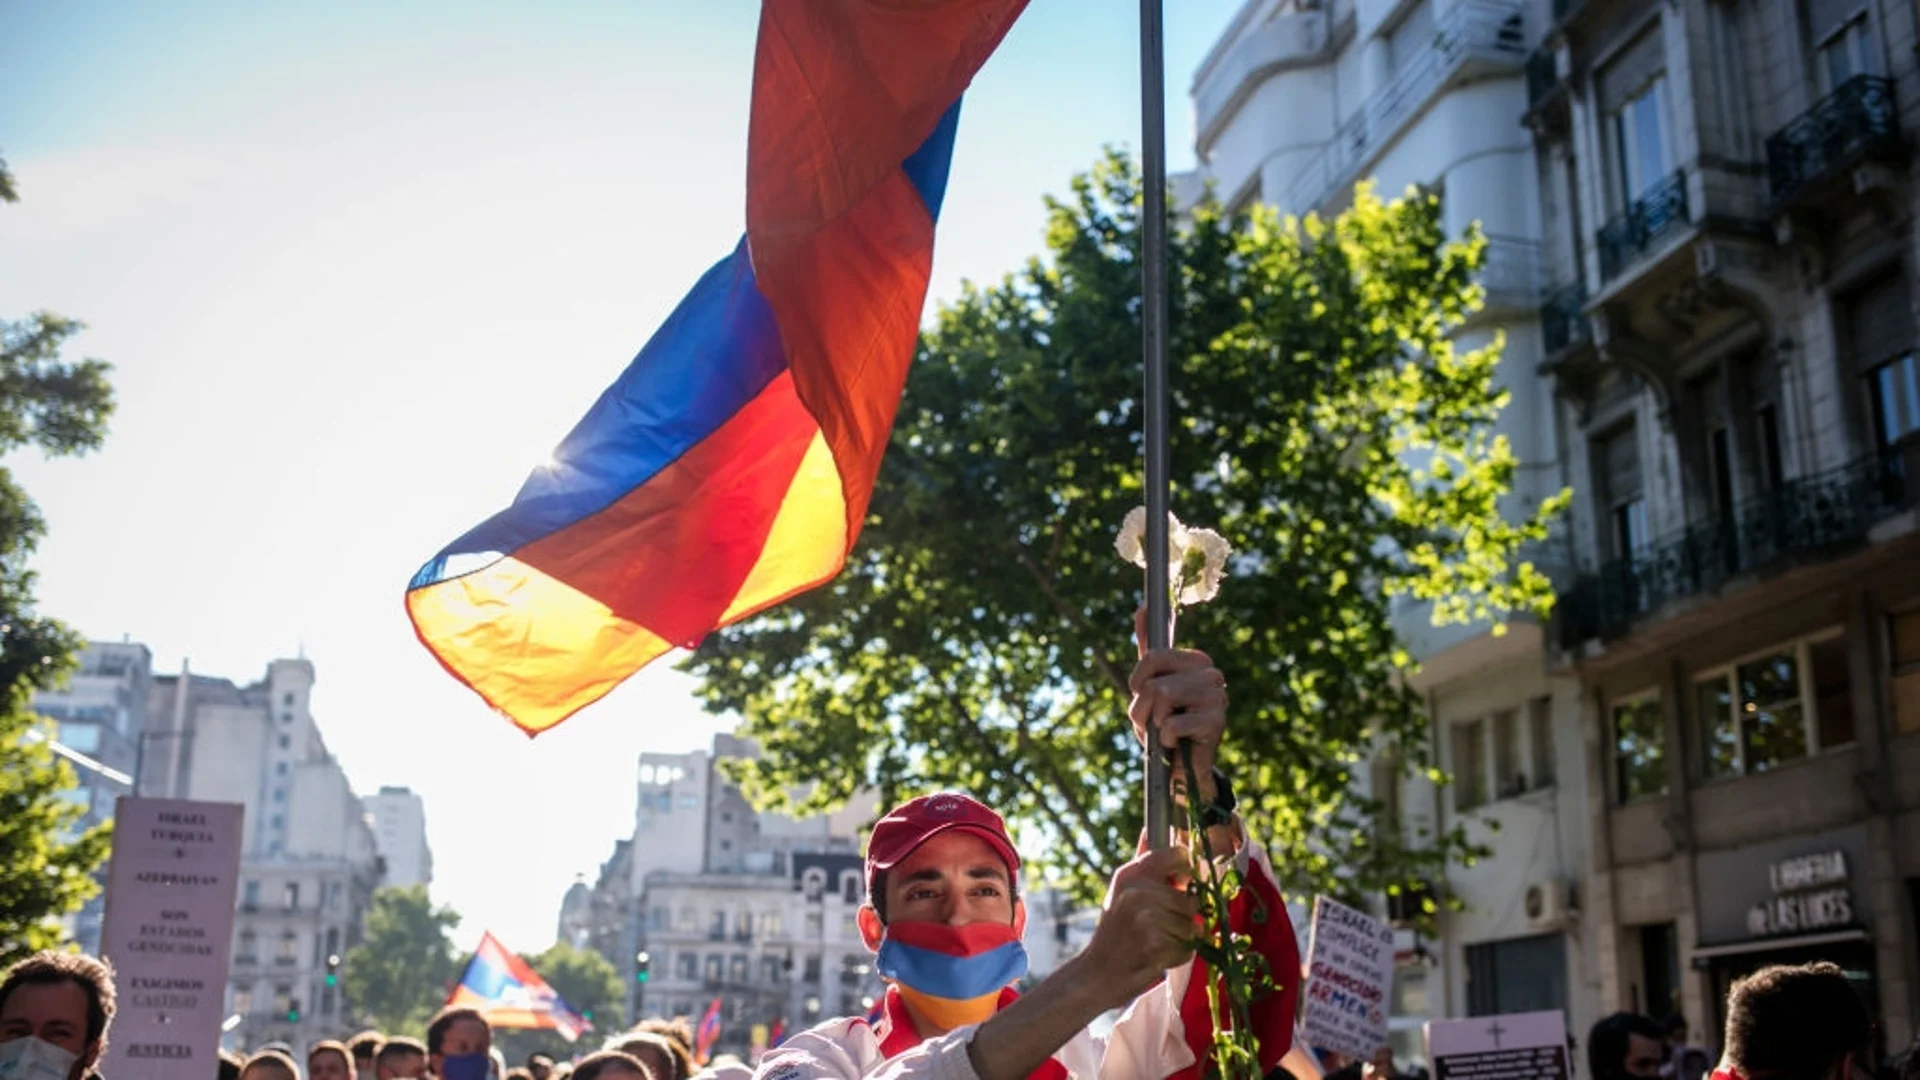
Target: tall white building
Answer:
[[102, 713], [310, 861], [726, 901], [1296, 102], [400, 831]]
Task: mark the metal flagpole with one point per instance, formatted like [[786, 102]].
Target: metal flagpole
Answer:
[[1153, 331]]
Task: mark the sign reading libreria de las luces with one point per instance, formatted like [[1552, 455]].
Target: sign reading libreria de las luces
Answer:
[[169, 926], [1809, 893]]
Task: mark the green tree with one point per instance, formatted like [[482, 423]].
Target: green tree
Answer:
[[62, 409], [398, 974], [585, 981], [1323, 420]]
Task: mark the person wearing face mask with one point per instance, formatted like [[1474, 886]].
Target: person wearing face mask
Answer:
[[944, 918], [459, 1045], [55, 1009]]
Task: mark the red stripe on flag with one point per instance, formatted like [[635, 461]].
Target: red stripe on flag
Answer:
[[848, 302], [671, 555]]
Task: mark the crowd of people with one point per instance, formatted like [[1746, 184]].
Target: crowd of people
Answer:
[[56, 1013], [945, 919]]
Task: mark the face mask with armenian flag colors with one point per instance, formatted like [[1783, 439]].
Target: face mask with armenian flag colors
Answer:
[[951, 975]]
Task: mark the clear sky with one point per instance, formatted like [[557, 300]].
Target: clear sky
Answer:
[[360, 265]]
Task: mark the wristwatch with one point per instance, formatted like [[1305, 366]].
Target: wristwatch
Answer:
[[1220, 810]]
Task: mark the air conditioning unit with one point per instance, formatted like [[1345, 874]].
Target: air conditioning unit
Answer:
[[1549, 905]]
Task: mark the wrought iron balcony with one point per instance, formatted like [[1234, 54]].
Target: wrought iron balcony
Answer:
[[1511, 273], [1562, 325], [1803, 518], [1651, 216], [1859, 118]]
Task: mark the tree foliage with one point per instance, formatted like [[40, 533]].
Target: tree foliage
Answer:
[[397, 975], [60, 408], [1323, 420], [585, 981]]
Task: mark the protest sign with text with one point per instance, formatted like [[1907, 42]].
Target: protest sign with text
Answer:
[[1349, 973], [168, 929]]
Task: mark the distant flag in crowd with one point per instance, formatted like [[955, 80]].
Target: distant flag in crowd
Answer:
[[707, 1034], [778, 1032], [729, 466], [510, 994]]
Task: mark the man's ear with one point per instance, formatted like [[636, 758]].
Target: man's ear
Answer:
[[871, 928], [1019, 917]]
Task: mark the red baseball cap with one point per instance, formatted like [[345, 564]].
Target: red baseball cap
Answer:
[[913, 823]]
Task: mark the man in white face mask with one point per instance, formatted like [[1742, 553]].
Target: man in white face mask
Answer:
[[54, 1013]]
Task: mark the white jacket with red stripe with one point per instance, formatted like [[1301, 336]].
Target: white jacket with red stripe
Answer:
[[1160, 1035]]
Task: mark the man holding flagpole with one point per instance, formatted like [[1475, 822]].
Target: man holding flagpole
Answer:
[[945, 918]]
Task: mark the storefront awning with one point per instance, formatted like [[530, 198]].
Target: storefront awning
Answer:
[[1771, 944]]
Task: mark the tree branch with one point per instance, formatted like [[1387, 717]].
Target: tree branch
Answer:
[[1009, 766], [1066, 614]]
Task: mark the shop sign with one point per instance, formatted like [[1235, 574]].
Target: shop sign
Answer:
[[1810, 893]]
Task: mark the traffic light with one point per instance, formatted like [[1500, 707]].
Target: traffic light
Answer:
[[333, 970], [642, 967], [293, 1011]]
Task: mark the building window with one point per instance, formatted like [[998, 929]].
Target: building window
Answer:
[[689, 920], [1775, 708], [286, 742], [737, 968], [1518, 975], [657, 918], [279, 768], [289, 947], [82, 737], [287, 699], [292, 895], [243, 1001], [689, 802], [276, 822], [716, 966], [771, 924], [279, 794], [811, 975], [1896, 399], [1904, 630], [250, 895], [815, 925], [742, 925], [1540, 736], [850, 887], [1660, 968], [1469, 764], [1773, 471], [283, 999], [1508, 780], [718, 929], [1844, 53], [689, 966], [249, 949], [1639, 748], [1621, 495], [1640, 141], [769, 970]]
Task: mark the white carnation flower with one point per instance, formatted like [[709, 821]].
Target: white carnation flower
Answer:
[[1196, 558]]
